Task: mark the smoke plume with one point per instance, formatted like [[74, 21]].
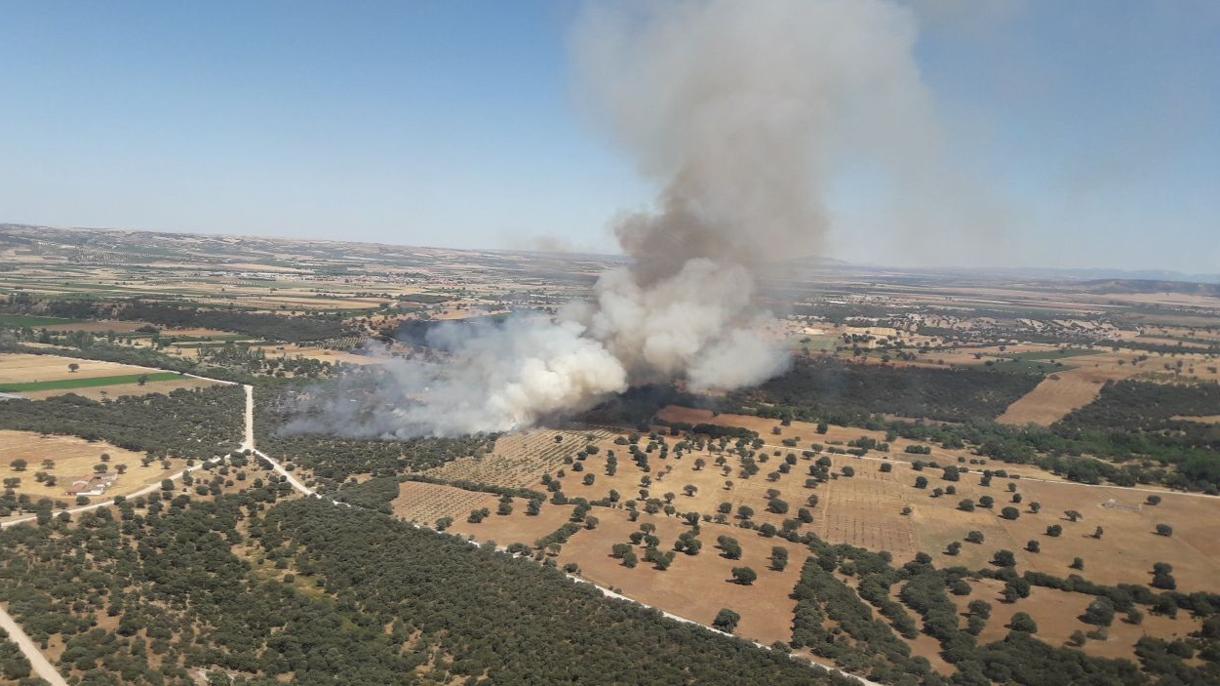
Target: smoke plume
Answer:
[[739, 111]]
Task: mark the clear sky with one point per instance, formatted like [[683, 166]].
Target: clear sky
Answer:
[[1095, 123]]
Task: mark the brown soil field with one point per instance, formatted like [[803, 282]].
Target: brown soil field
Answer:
[[694, 587], [863, 510], [517, 527], [1124, 554], [322, 354], [23, 368], [74, 458], [1057, 616]]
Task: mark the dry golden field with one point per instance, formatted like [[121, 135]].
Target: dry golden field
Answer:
[[1080, 384], [23, 368], [1056, 613], [73, 458]]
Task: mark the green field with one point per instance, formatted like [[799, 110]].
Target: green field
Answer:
[[1035, 361], [1050, 354], [29, 320], [68, 384]]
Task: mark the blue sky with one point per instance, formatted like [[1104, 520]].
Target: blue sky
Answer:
[[1096, 124]]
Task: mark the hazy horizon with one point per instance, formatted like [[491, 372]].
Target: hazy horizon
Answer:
[[1082, 135]]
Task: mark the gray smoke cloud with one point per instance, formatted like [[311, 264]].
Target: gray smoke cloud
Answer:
[[740, 111]]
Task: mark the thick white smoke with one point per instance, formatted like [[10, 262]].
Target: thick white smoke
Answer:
[[740, 111]]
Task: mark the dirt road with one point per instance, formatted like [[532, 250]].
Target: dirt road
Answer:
[[42, 667]]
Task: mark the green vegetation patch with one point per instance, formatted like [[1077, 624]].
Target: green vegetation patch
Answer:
[[193, 423], [847, 393], [93, 382], [21, 321], [1037, 355]]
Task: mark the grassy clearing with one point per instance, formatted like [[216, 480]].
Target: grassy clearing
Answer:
[[28, 320], [66, 384], [1036, 355], [1037, 367]]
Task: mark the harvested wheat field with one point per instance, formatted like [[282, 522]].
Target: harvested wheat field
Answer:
[[1057, 614], [1064, 391], [1125, 553], [25, 368], [73, 458], [1053, 398]]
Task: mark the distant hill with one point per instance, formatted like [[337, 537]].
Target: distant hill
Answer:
[[1150, 286]]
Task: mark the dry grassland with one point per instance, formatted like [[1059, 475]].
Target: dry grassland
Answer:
[[694, 587], [1057, 616], [1209, 419], [1125, 553], [1060, 393], [23, 368], [74, 458]]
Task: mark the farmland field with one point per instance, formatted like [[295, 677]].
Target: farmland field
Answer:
[[89, 382], [72, 458], [19, 368]]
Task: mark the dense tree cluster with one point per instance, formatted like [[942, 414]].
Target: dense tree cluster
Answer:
[[188, 423], [260, 593], [1114, 427], [13, 665], [505, 620], [89, 347], [263, 325], [373, 494], [862, 643], [847, 394], [831, 620]]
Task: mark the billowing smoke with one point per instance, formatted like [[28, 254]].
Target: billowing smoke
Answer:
[[739, 111]]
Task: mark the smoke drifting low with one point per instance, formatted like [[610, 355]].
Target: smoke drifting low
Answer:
[[738, 111]]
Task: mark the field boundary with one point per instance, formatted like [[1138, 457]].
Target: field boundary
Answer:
[[86, 382]]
